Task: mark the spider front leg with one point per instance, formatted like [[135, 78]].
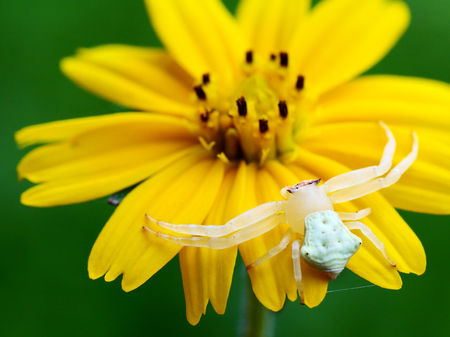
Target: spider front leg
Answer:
[[244, 220], [357, 191], [245, 234], [275, 250], [364, 174], [369, 234]]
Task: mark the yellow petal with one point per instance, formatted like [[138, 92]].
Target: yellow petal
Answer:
[[422, 188], [270, 25], [201, 35], [98, 162], [120, 88], [61, 130], [181, 193], [419, 104], [207, 273], [315, 285], [117, 133], [272, 280], [343, 38], [401, 243], [368, 264], [142, 78]]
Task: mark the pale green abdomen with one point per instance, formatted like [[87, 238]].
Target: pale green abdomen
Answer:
[[328, 244]]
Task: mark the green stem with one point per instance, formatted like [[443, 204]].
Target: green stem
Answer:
[[257, 321]]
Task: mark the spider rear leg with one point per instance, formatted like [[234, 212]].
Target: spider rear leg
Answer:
[[354, 216], [372, 237], [245, 234], [241, 221], [297, 268], [275, 250]]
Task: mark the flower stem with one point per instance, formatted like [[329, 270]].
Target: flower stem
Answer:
[[257, 321]]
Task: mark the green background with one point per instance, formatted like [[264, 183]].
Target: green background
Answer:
[[44, 286]]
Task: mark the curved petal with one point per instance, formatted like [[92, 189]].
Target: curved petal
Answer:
[[66, 129], [98, 162], [201, 35], [136, 77], [272, 280], [270, 25], [183, 192], [315, 285], [415, 103], [207, 273], [343, 38], [423, 187], [400, 241]]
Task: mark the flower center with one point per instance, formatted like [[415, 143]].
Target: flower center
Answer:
[[259, 117]]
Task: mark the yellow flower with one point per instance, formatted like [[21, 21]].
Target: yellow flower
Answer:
[[235, 110]]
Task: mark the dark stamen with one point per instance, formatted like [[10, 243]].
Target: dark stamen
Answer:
[[283, 59], [205, 79], [273, 57], [300, 82], [263, 125], [242, 106], [204, 116], [249, 57], [282, 106], [200, 92]]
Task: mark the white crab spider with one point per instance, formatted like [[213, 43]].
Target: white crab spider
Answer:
[[325, 240]]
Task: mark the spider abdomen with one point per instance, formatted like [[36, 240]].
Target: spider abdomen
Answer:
[[328, 244]]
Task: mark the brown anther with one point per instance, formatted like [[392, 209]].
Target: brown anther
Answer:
[[283, 59], [300, 82], [205, 79], [204, 116], [282, 106], [200, 92], [249, 57], [273, 57], [263, 125], [242, 106]]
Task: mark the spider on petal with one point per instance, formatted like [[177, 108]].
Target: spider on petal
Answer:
[[321, 237]]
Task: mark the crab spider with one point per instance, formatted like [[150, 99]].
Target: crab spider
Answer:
[[322, 239]]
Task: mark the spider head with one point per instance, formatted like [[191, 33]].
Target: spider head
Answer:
[[302, 184], [305, 198]]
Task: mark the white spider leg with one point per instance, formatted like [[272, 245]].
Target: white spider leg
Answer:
[[275, 250], [359, 176], [368, 187], [354, 216], [241, 221], [297, 268], [246, 234], [284, 192], [369, 234]]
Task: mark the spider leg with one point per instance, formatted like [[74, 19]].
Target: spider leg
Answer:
[[297, 268], [245, 234], [284, 192], [368, 187], [354, 216], [369, 234], [241, 221], [275, 250], [367, 173]]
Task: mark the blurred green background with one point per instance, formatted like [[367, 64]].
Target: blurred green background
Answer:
[[44, 286]]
